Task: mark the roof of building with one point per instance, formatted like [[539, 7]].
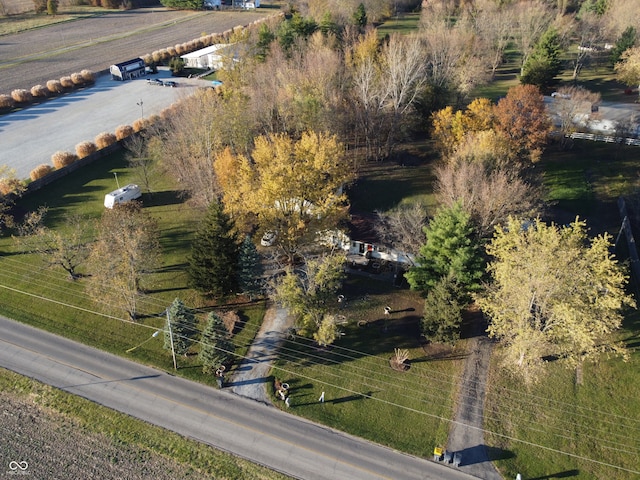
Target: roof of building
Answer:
[[129, 62], [205, 51]]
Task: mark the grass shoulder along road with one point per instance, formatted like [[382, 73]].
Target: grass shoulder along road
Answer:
[[38, 421]]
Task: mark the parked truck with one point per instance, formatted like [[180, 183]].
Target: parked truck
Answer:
[[122, 195]]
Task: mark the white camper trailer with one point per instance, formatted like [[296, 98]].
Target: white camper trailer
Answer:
[[122, 195]]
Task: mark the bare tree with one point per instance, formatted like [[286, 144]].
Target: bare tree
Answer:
[[11, 188], [452, 57], [494, 24], [126, 250], [590, 32], [141, 162], [401, 227], [532, 20], [490, 194], [573, 106]]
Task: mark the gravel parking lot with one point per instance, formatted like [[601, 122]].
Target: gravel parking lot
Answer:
[[29, 137]]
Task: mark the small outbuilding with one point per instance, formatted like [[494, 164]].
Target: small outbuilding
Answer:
[[128, 70]]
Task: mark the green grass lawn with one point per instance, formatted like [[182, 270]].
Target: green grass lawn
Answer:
[[46, 298], [364, 396], [598, 420], [85, 416], [403, 24]]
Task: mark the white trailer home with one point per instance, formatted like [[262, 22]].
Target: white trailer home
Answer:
[[122, 195]]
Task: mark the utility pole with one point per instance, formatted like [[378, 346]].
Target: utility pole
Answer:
[[173, 352]]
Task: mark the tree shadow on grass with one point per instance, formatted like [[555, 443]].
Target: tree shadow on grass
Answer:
[[158, 199], [565, 474]]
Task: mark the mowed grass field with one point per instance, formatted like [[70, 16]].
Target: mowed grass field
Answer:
[[44, 297]]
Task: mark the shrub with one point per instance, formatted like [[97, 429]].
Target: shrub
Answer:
[[230, 320], [147, 59], [154, 119], [66, 82], [84, 149], [11, 185], [88, 76], [140, 124], [54, 86], [180, 49], [40, 5], [123, 131], [62, 159], [77, 79], [40, 171], [52, 7], [39, 91], [6, 101], [164, 54], [20, 95], [156, 57], [172, 51], [105, 139]]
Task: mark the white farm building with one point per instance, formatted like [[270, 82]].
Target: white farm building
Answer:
[[210, 58]]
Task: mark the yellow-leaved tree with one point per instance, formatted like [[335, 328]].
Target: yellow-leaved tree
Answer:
[[554, 294], [291, 186]]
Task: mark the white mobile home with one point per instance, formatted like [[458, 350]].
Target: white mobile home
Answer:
[[122, 195]]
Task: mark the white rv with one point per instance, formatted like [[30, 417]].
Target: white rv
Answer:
[[122, 195]]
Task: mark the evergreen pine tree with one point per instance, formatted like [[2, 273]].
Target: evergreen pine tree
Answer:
[[442, 312], [250, 269], [360, 16], [183, 327], [214, 254], [451, 250], [545, 63], [217, 347], [625, 42]]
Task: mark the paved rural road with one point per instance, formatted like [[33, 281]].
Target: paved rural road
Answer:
[[246, 428]]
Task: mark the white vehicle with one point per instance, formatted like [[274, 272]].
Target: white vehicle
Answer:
[[122, 195], [268, 238]]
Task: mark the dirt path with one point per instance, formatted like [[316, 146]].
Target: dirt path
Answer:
[[466, 434], [251, 378]]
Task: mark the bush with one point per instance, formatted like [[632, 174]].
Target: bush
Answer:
[[164, 54], [77, 79], [156, 57], [7, 102], [148, 59], [52, 7], [88, 76], [40, 171], [66, 82], [140, 124], [105, 139], [84, 149], [123, 131], [20, 95], [39, 91], [40, 6], [62, 159], [54, 86], [10, 185], [152, 120], [172, 51]]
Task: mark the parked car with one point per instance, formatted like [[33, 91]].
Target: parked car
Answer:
[[154, 81], [268, 238], [170, 83]]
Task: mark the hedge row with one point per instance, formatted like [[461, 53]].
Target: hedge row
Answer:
[[22, 97]]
